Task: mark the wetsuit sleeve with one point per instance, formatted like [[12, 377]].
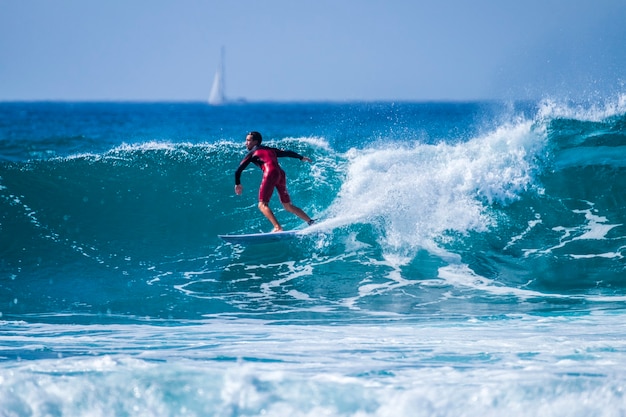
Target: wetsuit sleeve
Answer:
[[243, 165], [291, 154]]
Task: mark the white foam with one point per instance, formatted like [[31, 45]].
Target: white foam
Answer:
[[594, 228], [416, 194], [594, 112], [519, 366], [316, 141]]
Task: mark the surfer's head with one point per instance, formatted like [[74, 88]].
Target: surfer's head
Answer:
[[256, 136], [253, 139]]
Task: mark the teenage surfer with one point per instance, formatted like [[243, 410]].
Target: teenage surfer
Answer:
[[266, 158]]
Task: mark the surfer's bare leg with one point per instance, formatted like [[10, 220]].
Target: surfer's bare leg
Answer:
[[297, 211], [267, 212]]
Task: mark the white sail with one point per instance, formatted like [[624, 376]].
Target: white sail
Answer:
[[217, 89]]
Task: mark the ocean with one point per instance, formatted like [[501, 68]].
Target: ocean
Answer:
[[467, 260]]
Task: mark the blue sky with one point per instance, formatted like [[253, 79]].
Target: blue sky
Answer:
[[311, 50]]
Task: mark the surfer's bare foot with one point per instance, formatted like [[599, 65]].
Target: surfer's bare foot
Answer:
[[277, 229]]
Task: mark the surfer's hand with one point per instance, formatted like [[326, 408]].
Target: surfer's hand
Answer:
[[238, 189], [306, 159]]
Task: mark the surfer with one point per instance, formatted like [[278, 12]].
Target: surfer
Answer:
[[266, 158]]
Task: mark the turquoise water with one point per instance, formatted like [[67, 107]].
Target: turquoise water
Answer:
[[468, 259]]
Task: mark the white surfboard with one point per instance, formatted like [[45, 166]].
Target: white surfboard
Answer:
[[255, 238]]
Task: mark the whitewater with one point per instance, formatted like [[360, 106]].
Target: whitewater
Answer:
[[468, 258]]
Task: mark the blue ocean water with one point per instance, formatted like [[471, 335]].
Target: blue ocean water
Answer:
[[468, 260]]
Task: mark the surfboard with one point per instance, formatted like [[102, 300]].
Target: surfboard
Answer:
[[256, 238]]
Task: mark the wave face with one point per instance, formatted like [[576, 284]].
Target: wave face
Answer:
[[456, 243]]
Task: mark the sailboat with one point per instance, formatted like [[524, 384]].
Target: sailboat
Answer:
[[217, 90]]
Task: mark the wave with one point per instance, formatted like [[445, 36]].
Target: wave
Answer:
[[537, 203], [532, 208]]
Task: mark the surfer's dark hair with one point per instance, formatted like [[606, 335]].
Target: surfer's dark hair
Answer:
[[256, 136]]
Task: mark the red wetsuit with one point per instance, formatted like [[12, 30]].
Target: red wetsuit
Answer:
[[266, 158]]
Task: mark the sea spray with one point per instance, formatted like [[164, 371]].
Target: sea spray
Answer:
[[417, 193]]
